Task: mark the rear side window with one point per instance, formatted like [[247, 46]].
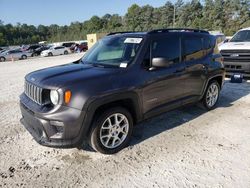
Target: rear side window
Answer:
[[168, 47], [207, 45], [192, 48]]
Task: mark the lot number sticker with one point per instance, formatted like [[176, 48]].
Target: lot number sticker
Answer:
[[133, 40]]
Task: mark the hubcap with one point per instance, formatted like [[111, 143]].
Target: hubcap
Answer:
[[114, 130], [212, 95]]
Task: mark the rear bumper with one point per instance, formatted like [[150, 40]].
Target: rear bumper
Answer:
[[64, 129]]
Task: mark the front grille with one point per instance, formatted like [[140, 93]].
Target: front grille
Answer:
[[236, 55], [33, 92]]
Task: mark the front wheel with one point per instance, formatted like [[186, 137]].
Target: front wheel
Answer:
[[50, 54], [211, 95], [66, 52], [112, 131], [2, 59], [24, 57]]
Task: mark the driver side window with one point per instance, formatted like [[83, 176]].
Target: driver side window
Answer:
[[168, 48]]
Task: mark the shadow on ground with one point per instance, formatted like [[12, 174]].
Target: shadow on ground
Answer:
[[230, 93]]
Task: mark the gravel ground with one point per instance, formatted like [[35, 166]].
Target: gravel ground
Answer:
[[183, 148]]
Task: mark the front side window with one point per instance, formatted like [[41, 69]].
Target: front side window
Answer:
[[192, 48], [241, 36], [168, 48], [112, 51]]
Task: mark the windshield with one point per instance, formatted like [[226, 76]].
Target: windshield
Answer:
[[113, 51], [241, 36]]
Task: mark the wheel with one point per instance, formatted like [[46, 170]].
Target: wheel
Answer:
[[211, 95], [50, 54], [66, 52], [24, 57], [35, 54], [2, 59], [111, 131]]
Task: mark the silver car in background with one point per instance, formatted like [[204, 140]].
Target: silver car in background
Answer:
[[14, 54]]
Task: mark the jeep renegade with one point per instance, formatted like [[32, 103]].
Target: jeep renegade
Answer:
[[123, 79]]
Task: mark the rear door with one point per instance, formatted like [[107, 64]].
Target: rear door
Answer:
[[196, 70]]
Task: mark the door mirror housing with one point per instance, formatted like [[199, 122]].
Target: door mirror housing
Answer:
[[160, 62]]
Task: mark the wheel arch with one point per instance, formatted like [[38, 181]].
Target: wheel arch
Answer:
[[130, 101], [219, 78]]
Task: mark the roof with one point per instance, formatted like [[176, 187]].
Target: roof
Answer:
[[162, 31]]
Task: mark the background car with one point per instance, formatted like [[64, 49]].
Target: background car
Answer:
[[55, 50], [68, 44], [82, 47], [38, 51], [14, 54]]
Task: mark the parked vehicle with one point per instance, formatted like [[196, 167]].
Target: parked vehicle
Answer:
[[124, 79], [55, 50], [38, 51], [33, 47], [14, 54], [82, 47], [236, 53], [68, 44]]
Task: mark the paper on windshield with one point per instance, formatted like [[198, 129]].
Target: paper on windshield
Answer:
[[133, 40]]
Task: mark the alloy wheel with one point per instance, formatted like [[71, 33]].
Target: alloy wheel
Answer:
[[212, 95], [114, 130]]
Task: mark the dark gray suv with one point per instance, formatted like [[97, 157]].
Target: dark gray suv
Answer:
[[124, 79]]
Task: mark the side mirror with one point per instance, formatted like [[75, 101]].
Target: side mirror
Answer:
[[160, 62], [226, 40]]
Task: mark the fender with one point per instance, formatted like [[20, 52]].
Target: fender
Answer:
[[208, 80], [93, 104]]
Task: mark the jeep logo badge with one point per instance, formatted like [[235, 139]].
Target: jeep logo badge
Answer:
[[234, 55]]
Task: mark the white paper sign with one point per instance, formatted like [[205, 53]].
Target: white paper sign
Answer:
[[123, 65], [133, 40]]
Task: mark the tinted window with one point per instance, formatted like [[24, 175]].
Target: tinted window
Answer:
[[192, 48], [168, 48]]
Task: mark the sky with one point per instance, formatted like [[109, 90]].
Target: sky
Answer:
[[63, 12]]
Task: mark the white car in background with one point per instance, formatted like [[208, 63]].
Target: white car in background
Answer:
[[55, 50], [14, 54]]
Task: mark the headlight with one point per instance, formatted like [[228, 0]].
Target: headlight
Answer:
[[54, 97]]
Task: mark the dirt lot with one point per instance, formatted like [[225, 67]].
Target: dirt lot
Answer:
[[183, 148]]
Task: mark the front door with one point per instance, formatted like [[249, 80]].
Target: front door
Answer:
[[164, 86]]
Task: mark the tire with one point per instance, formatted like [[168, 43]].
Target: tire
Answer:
[[107, 137], [35, 54], [66, 52], [24, 57], [2, 59], [50, 54], [211, 96]]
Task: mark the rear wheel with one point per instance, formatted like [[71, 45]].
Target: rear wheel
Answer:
[[112, 131], [2, 59], [66, 52], [211, 95], [24, 57]]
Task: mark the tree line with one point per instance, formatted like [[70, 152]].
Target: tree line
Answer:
[[226, 16]]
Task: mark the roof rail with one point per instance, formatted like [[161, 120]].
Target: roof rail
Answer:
[[177, 29], [122, 32]]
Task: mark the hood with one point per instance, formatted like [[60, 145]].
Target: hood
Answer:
[[235, 46], [66, 75]]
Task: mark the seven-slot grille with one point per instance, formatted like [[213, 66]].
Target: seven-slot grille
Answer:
[[33, 92]]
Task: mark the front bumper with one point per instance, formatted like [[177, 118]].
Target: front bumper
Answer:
[[237, 67], [63, 128]]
